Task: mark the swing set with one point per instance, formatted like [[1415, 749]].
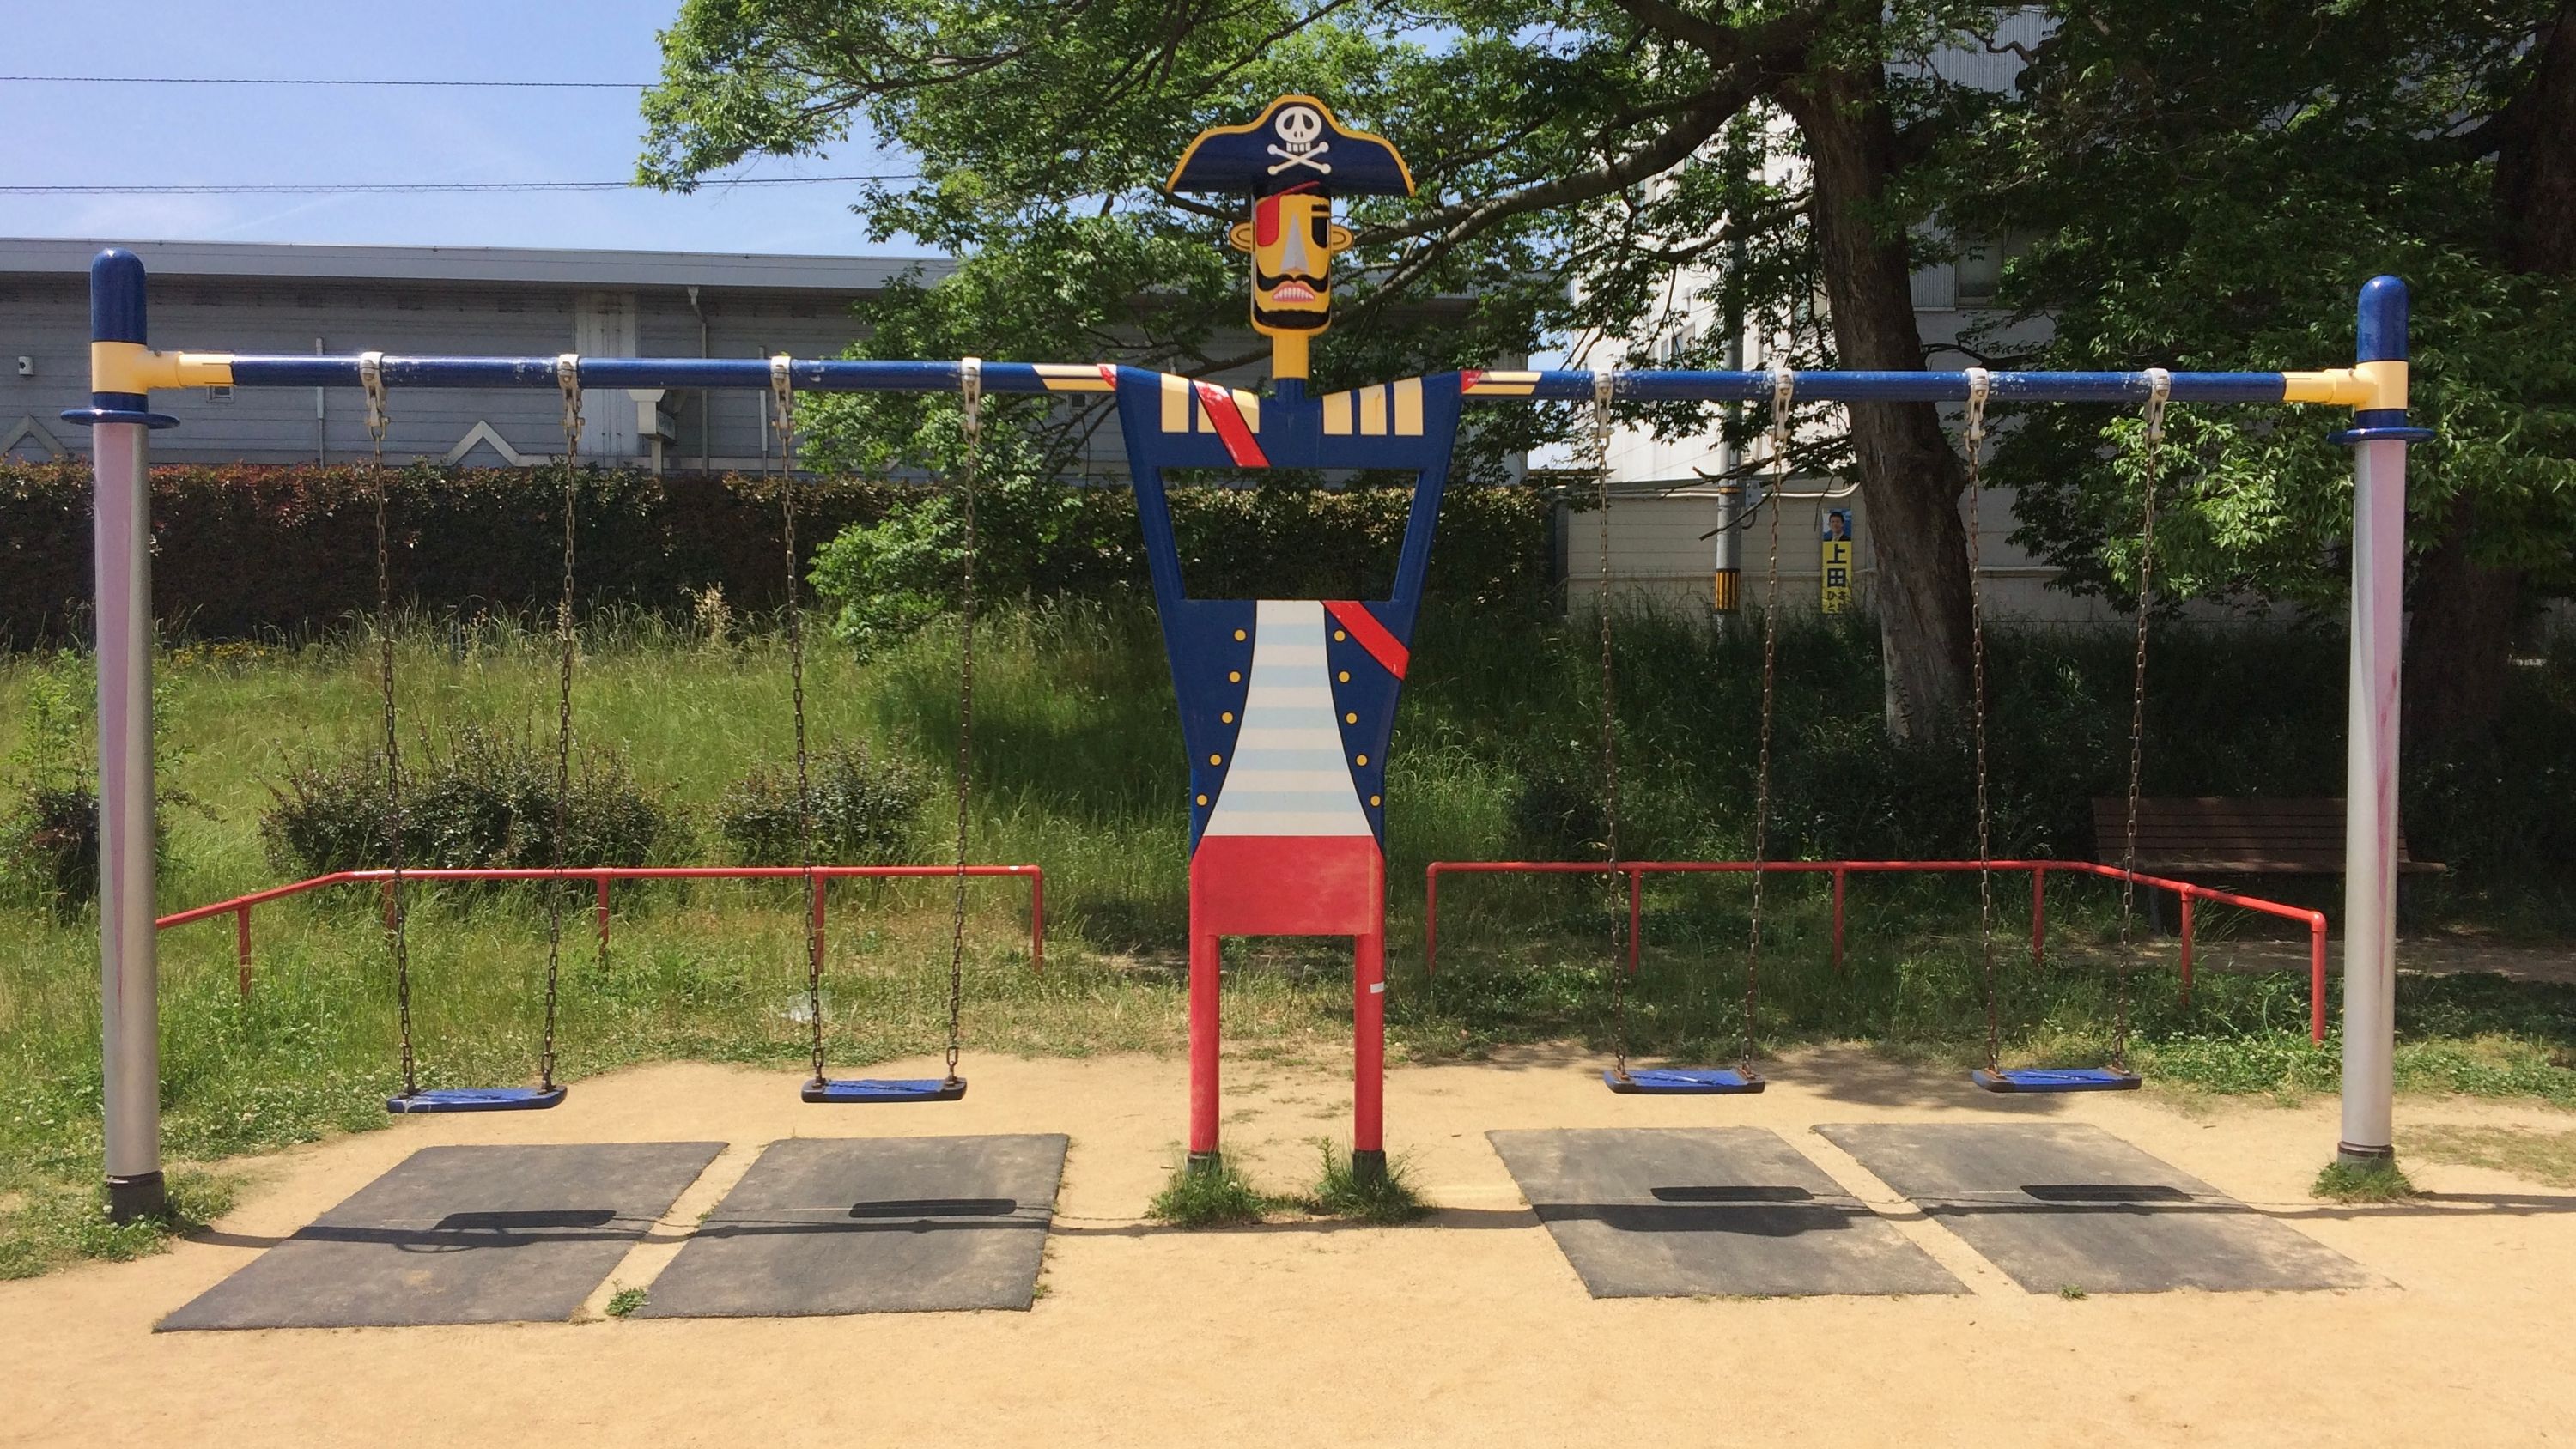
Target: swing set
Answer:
[[1741, 1079], [1287, 706]]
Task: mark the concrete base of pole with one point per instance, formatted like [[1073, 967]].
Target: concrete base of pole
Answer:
[[1369, 1167], [1205, 1162], [2350, 1156], [140, 1196]]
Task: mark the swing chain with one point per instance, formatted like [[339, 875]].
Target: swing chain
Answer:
[[1784, 389], [1980, 383], [371, 377], [970, 383], [1605, 386], [2159, 392], [567, 378], [782, 394]]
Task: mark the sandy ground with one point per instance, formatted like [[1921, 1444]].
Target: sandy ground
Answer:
[[1469, 1329]]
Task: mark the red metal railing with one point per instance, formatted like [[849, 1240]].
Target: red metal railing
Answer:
[[239, 907], [1842, 870]]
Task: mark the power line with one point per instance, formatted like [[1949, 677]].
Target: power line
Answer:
[[407, 187], [212, 80]]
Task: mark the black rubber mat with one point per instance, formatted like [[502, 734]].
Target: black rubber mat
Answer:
[[1709, 1211], [829, 1225], [499, 1234], [2064, 1205]]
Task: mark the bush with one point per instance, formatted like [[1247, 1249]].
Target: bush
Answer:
[[250, 550], [885, 578], [486, 799], [52, 844], [866, 809]]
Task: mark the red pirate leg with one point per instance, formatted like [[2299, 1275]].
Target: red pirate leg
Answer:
[[1204, 967], [1368, 1057]]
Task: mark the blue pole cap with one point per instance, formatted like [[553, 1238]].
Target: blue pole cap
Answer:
[[2381, 336], [116, 287], [116, 297]]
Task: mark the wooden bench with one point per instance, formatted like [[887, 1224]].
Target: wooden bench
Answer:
[[2212, 836]]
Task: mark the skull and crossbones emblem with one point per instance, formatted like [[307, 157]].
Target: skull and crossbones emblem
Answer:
[[1298, 127]]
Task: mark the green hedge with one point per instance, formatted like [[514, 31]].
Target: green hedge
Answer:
[[240, 551]]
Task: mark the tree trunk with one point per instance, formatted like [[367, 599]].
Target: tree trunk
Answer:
[[2460, 640], [2465, 610], [1909, 477]]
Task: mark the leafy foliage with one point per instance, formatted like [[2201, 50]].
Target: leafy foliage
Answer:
[[2293, 150], [1566, 159], [866, 810], [49, 825], [486, 798], [884, 580], [290, 551]]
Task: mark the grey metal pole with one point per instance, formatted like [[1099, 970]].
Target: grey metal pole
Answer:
[[129, 970], [120, 421], [2379, 440]]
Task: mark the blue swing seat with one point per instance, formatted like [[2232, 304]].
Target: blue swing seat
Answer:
[[1655, 1082], [477, 1099], [2056, 1079], [866, 1089]]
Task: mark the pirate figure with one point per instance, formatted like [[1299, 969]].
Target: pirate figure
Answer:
[[1287, 704]]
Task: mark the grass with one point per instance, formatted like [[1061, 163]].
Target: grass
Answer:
[[625, 1301], [1385, 1198], [2545, 1157], [52, 1224], [1212, 1194], [2377, 1180], [1079, 770]]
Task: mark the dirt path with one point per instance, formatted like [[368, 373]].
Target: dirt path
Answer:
[[1470, 1329]]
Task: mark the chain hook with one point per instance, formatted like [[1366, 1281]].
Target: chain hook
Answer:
[[1980, 386], [1784, 388], [371, 376], [782, 393], [2159, 392], [568, 378]]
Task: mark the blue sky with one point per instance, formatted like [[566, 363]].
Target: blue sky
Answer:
[[57, 134]]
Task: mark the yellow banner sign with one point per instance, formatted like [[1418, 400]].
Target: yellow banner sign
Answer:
[[1837, 563]]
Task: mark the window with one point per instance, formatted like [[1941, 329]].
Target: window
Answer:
[[1980, 267], [221, 392]]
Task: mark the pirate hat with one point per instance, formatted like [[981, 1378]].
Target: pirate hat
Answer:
[[1296, 143]]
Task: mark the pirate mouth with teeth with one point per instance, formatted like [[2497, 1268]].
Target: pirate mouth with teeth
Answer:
[[1292, 239]]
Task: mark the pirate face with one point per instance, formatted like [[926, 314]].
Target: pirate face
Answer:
[[1292, 239]]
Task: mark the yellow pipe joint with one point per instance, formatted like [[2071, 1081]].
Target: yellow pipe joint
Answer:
[[2364, 387], [135, 368]]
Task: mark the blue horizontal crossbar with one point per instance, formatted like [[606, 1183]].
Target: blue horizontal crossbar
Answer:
[[862, 1089], [811, 375], [1663, 1083], [2057, 1079], [478, 1099]]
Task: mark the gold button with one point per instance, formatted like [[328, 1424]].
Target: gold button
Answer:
[[1216, 759], [1203, 799], [1363, 759], [1227, 717], [1234, 676], [1372, 800], [1350, 719], [1346, 676], [1238, 633], [1339, 636]]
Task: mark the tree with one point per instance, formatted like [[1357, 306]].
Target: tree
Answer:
[[1568, 156], [2294, 150]]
